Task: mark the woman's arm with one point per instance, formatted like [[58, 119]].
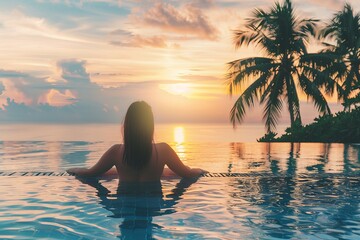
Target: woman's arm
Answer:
[[173, 161], [106, 162]]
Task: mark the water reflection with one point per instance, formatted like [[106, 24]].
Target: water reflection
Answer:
[[179, 136], [137, 203], [48, 156], [293, 208], [76, 156], [293, 158], [179, 139], [275, 158], [286, 205], [296, 191]]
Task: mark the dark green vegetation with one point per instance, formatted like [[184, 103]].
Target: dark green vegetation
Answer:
[[288, 69], [344, 69], [343, 127]]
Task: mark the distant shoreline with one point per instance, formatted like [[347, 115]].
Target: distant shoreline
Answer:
[[343, 127]]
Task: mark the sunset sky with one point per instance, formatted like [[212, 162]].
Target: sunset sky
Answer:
[[86, 61]]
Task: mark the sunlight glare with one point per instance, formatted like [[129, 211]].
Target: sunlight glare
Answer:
[[179, 139], [177, 88], [179, 136]]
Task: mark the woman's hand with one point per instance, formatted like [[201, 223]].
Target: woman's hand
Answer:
[[195, 172], [198, 171], [77, 171], [105, 163]]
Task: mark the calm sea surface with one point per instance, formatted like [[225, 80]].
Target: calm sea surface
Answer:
[[112, 132], [281, 190]]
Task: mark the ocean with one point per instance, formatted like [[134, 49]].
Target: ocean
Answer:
[[112, 132], [254, 190]]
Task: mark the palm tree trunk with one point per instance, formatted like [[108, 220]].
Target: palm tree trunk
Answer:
[[290, 101]]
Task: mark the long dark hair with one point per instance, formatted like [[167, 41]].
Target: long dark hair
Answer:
[[138, 135]]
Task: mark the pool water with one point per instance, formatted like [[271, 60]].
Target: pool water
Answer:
[[282, 191]]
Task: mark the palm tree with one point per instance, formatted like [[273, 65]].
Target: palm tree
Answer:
[[275, 78], [344, 28]]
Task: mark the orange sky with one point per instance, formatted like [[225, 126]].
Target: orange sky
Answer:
[[103, 54]]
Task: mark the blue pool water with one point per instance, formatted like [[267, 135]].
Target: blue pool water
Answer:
[[285, 191]]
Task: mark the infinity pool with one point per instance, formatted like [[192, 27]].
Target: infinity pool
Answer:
[[278, 191]]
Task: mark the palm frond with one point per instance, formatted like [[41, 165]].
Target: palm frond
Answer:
[[326, 69], [307, 27], [323, 79], [245, 70], [283, 37], [273, 105], [313, 92], [244, 38], [247, 99], [272, 111]]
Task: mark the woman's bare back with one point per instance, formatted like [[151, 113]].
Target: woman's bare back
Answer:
[[162, 155], [151, 172], [138, 135]]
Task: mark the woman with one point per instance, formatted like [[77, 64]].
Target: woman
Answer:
[[139, 159]]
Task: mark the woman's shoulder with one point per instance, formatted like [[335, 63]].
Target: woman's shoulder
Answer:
[[115, 148], [162, 145]]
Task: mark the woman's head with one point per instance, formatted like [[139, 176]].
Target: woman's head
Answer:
[[138, 135]]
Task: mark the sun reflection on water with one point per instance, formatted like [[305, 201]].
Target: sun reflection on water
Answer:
[[179, 139], [179, 136]]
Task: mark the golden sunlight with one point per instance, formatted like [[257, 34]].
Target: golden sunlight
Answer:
[[182, 89], [179, 139], [179, 136]]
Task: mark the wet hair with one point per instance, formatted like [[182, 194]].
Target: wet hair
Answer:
[[138, 135]]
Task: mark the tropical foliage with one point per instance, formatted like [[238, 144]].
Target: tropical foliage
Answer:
[[343, 127], [288, 70], [344, 29], [283, 37]]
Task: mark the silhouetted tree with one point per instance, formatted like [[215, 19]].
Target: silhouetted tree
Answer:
[[344, 29], [278, 77]]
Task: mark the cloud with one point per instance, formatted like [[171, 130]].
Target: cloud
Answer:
[[139, 41], [73, 70], [81, 2], [198, 78], [186, 20], [22, 87], [73, 82], [121, 32], [125, 38], [28, 25], [202, 3], [59, 99], [329, 4], [77, 83], [110, 74], [74, 98]]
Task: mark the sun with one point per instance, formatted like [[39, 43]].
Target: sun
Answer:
[[182, 89]]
